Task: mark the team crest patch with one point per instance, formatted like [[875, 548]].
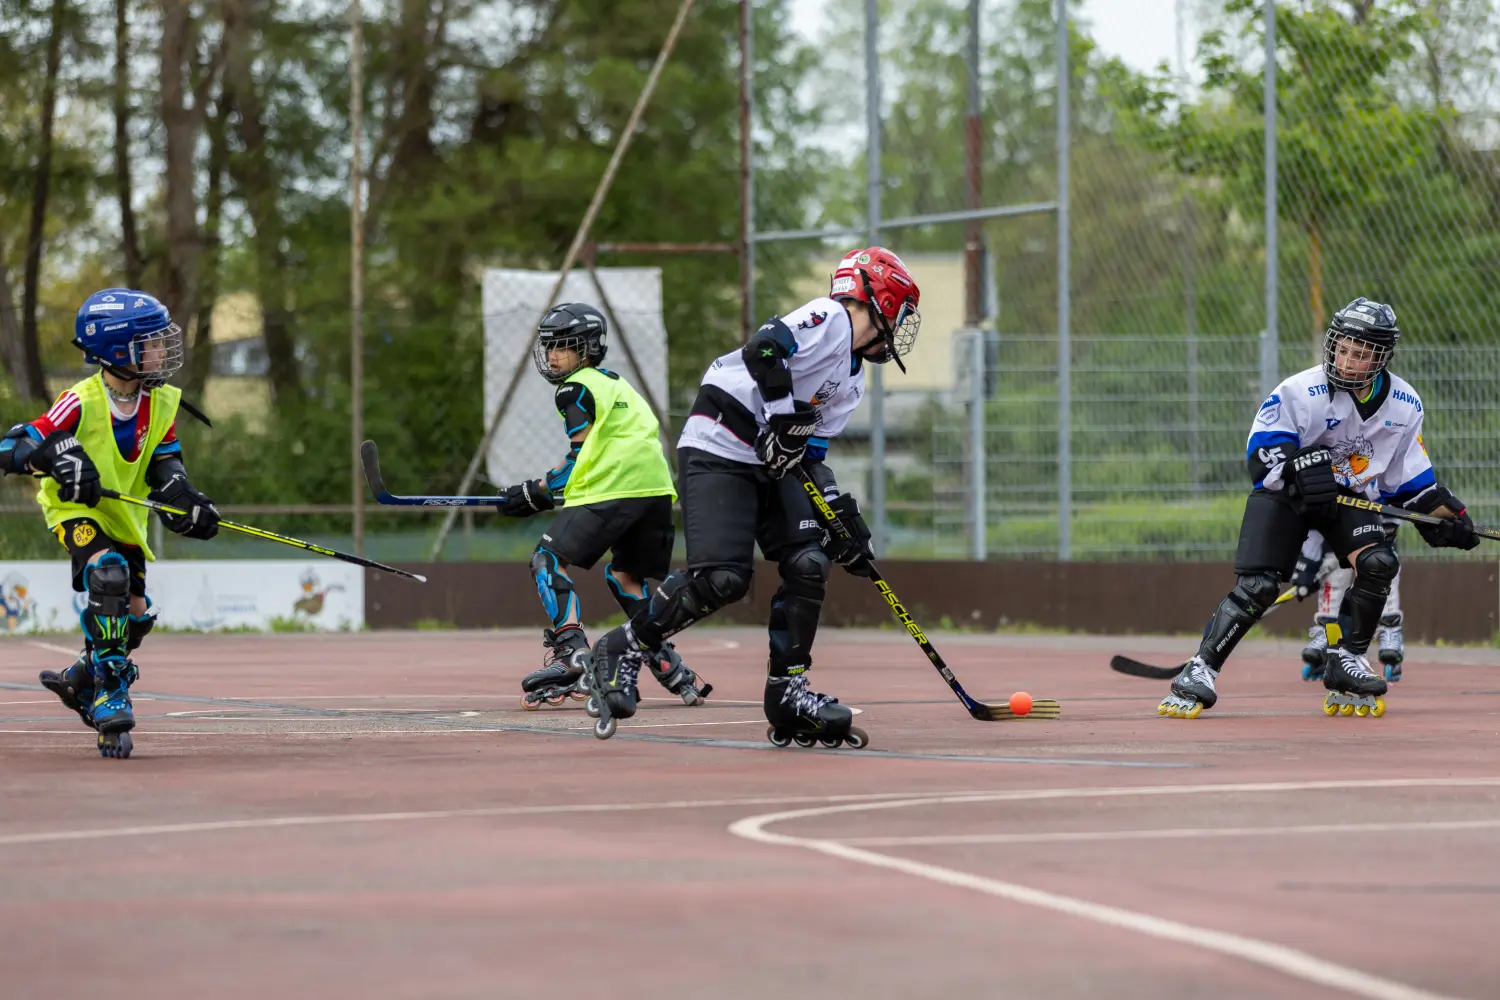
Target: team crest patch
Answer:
[[1351, 460], [83, 534], [825, 392]]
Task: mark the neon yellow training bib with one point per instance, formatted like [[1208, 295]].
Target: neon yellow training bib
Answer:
[[622, 456], [123, 522]]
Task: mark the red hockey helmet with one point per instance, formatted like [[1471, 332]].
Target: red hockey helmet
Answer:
[[877, 277]]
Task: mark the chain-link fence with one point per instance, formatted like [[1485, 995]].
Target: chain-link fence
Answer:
[[1112, 417]]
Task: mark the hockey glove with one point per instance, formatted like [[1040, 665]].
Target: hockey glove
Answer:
[[200, 518], [63, 458], [1305, 576], [853, 553], [784, 441], [1312, 484], [1454, 533], [526, 499]]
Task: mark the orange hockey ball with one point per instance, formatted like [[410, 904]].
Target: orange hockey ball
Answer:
[[1020, 703]]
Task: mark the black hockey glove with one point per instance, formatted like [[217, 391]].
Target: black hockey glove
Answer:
[[1455, 533], [526, 499], [63, 458], [1312, 484], [784, 441], [1305, 576], [853, 553], [200, 518]]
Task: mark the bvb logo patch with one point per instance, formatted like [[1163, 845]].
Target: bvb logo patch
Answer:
[[83, 534]]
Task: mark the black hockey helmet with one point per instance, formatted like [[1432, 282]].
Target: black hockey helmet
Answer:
[[1359, 344], [571, 324]]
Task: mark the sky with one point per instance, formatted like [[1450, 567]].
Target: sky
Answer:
[[1140, 32]]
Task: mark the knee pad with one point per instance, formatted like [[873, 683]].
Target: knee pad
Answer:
[[106, 619], [1378, 565], [553, 587], [140, 626], [804, 573], [629, 603], [686, 596], [1255, 592]]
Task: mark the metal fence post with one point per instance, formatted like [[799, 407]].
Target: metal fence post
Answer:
[[1064, 302], [872, 225], [1270, 341], [978, 515]]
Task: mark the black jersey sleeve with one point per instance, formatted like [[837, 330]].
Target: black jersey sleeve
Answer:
[[576, 404]]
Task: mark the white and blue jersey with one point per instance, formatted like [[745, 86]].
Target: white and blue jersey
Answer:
[[731, 408], [1377, 445]]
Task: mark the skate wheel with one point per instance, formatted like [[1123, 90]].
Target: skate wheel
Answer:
[[857, 739], [591, 707], [1194, 712], [804, 741], [605, 728], [1307, 672], [777, 737], [579, 694], [831, 742], [1361, 710], [528, 704], [1379, 708], [116, 746], [1330, 709], [1164, 709], [558, 698], [1346, 709]]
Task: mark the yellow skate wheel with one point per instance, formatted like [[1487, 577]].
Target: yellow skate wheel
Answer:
[[1195, 711], [1165, 708], [1329, 708], [1361, 710], [1346, 709], [1379, 708]]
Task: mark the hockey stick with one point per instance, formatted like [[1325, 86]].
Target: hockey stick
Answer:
[[1041, 708], [369, 456], [1402, 514], [1135, 668], [269, 536]]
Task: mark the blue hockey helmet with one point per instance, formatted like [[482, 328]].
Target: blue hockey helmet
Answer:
[[130, 332]]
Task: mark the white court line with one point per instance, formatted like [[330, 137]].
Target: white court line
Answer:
[[51, 648], [278, 822], [1183, 833], [39, 701], [1289, 961]]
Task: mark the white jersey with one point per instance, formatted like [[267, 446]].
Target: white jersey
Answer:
[[824, 372], [1377, 446]]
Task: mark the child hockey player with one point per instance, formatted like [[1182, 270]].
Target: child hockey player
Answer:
[[115, 430], [1347, 427], [1318, 570], [617, 490], [762, 412]]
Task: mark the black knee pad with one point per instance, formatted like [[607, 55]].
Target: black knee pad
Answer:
[[553, 586], [1378, 564], [106, 619], [804, 573], [1255, 592], [629, 603], [686, 596]]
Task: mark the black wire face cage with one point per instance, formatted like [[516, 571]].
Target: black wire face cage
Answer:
[[904, 333], [550, 342], [1366, 357], [157, 355]]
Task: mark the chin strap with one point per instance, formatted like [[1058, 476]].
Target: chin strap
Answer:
[[128, 376]]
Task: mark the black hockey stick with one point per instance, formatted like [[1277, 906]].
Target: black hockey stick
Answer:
[[1041, 708], [369, 456], [1402, 514], [269, 536], [1135, 668]]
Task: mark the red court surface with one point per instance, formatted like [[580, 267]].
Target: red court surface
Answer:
[[374, 816]]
